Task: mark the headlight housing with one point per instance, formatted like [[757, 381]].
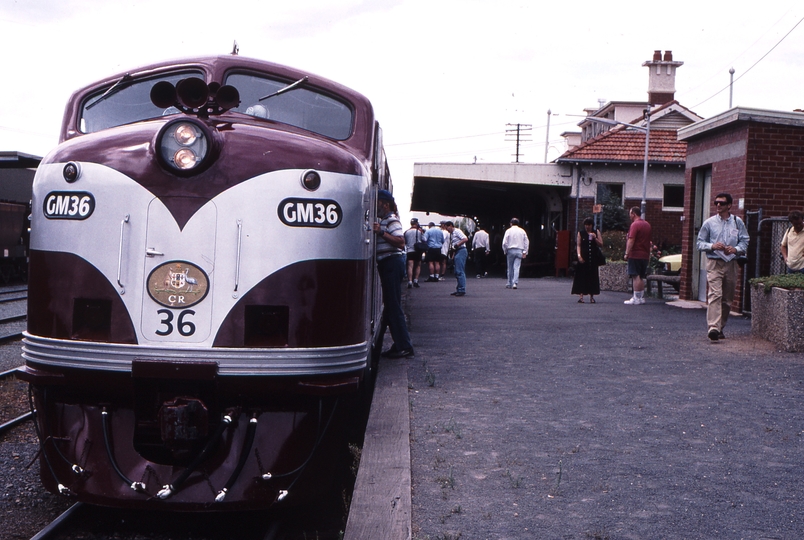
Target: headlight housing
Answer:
[[183, 147]]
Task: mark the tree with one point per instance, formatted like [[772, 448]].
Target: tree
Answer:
[[615, 216]]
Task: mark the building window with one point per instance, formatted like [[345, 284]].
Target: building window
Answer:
[[610, 194], [673, 197]]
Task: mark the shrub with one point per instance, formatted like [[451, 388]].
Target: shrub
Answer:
[[614, 245], [615, 216], [783, 281]]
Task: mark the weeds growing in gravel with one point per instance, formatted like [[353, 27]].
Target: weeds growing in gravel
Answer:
[[429, 376], [447, 481], [454, 428], [554, 491], [515, 482], [598, 535]]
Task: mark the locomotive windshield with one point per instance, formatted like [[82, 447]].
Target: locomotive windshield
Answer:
[[126, 101], [297, 106]]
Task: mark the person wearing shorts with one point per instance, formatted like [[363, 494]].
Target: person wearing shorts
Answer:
[[434, 237], [637, 253]]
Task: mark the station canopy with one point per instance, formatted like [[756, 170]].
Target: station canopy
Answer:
[[495, 191]]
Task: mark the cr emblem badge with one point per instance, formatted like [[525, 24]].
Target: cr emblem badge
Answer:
[[178, 284]]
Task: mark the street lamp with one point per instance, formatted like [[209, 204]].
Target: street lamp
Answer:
[[646, 130]]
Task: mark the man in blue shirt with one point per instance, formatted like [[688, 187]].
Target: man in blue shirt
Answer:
[[722, 237], [434, 237]]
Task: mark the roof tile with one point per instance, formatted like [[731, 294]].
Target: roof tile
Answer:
[[620, 145]]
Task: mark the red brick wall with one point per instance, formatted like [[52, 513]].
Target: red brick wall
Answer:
[[774, 176], [769, 177]]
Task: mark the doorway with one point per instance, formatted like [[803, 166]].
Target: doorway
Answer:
[[703, 193]]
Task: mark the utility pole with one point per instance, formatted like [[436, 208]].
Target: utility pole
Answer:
[[731, 85], [547, 137], [518, 133]]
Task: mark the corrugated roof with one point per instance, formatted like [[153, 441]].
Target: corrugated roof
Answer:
[[619, 145]]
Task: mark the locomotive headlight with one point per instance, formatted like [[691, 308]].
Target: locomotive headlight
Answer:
[[185, 159], [185, 134], [183, 146]]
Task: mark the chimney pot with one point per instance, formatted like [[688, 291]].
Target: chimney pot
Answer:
[[668, 56], [657, 56]]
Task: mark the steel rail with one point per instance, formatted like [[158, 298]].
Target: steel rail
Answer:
[[55, 526], [10, 373], [15, 422]]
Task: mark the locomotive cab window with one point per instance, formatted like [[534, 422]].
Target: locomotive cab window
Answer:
[[126, 101], [298, 106]]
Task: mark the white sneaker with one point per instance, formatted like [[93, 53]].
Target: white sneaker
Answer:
[[514, 286], [634, 301]]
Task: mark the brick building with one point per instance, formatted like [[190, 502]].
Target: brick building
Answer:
[[758, 157], [610, 159]]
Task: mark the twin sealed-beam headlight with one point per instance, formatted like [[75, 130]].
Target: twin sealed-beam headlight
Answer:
[[183, 146]]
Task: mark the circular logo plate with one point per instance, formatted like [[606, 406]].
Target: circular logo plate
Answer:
[[178, 284]]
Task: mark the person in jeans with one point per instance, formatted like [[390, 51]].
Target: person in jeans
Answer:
[[722, 237], [457, 242], [391, 268], [515, 246]]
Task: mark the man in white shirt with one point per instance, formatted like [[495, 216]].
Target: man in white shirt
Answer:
[[793, 243], [457, 242], [515, 246], [480, 248]]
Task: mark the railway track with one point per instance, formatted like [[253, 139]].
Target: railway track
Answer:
[[81, 521], [53, 529]]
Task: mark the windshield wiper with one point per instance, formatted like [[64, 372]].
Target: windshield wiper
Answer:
[[115, 88], [285, 89]]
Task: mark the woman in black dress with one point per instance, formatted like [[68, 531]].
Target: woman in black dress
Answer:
[[587, 280]]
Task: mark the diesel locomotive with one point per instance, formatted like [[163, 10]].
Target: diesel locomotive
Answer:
[[203, 304]]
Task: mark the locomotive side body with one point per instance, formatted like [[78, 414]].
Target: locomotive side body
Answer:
[[203, 305]]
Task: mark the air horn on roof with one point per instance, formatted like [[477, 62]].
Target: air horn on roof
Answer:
[[194, 96]]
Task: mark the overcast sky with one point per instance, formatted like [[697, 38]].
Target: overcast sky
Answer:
[[445, 76]]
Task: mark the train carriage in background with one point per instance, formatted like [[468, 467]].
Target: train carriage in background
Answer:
[[203, 306], [13, 240]]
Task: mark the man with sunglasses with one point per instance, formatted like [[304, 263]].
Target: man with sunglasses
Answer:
[[722, 237]]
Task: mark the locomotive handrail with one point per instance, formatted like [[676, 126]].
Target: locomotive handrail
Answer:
[[120, 255], [237, 262]]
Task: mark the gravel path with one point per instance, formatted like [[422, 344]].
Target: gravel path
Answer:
[[533, 416]]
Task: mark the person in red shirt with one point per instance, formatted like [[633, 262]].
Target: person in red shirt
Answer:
[[637, 253]]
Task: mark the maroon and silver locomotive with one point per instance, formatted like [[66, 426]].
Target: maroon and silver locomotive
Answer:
[[203, 306]]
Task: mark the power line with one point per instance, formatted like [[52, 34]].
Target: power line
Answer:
[[496, 133], [444, 140], [753, 65], [718, 72]]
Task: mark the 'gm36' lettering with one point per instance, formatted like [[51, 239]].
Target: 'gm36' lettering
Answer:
[[310, 213], [69, 205]]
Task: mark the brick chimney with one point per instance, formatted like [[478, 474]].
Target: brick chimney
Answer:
[[661, 78]]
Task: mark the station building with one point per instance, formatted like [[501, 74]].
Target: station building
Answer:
[[757, 156], [606, 157]]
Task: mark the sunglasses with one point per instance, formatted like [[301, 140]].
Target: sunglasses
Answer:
[[721, 203]]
